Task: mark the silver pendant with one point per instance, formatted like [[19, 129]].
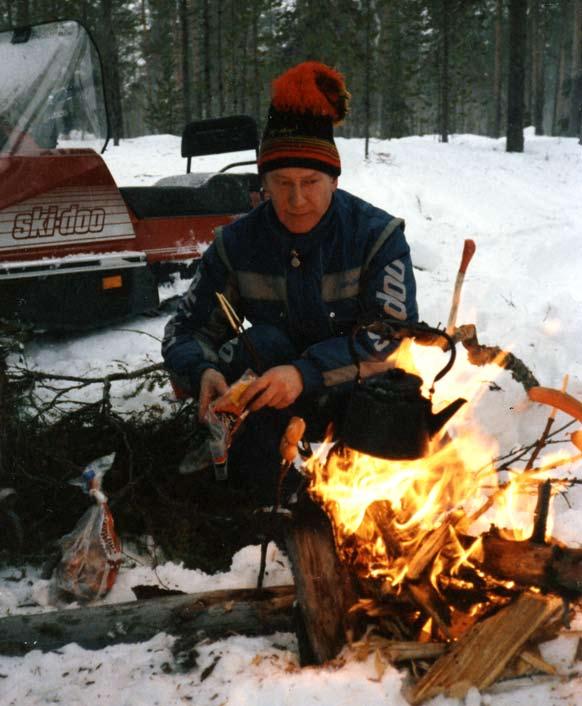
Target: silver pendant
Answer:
[[295, 261]]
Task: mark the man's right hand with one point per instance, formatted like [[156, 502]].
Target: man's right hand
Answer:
[[212, 386]]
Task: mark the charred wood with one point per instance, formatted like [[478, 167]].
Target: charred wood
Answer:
[[547, 566], [538, 535]]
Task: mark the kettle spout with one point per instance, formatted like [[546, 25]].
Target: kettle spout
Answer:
[[437, 421]]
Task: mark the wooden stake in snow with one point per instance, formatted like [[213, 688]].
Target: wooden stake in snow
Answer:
[[469, 248]]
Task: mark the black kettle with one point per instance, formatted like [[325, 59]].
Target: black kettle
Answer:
[[387, 416]]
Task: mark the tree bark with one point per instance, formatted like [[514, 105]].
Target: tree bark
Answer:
[[3, 415], [207, 85], [22, 12], [445, 8], [516, 83], [497, 69], [256, 77], [325, 591], [111, 70], [186, 74], [213, 615], [219, 59], [368, 60], [575, 121], [558, 83], [538, 40]]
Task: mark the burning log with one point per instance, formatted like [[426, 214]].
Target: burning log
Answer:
[[480, 657], [214, 614], [547, 566]]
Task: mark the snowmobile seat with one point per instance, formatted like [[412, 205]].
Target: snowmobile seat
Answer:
[[217, 194]]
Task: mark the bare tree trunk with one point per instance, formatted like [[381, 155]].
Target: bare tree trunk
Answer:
[[22, 12], [528, 64], [233, 63], [242, 76], [207, 86], [575, 122], [515, 90], [256, 76], [3, 417], [538, 40], [219, 62], [445, 5], [186, 76], [367, 79], [111, 69], [559, 81], [497, 71]]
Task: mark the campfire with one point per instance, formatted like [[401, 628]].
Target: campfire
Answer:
[[436, 558]]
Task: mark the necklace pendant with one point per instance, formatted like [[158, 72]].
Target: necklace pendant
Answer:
[[295, 261]]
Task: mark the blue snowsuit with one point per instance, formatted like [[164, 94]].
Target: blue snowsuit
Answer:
[[302, 295]]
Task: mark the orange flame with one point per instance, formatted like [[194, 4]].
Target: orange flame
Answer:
[[386, 515]]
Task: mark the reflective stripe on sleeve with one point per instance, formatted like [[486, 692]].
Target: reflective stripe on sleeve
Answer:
[[262, 287], [341, 285]]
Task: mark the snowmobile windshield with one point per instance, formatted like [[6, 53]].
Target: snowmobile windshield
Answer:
[[51, 89]]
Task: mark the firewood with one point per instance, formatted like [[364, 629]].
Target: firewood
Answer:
[[528, 662], [548, 566], [325, 590], [403, 651], [481, 655], [533, 658], [214, 614], [380, 514], [429, 601], [538, 535], [396, 651], [430, 547]]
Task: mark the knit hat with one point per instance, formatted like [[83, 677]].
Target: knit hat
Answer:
[[306, 102]]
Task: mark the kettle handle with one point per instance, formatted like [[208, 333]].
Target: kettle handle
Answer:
[[399, 330]]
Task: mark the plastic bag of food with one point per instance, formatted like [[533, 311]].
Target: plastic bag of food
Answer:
[[91, 553], [223, 418]]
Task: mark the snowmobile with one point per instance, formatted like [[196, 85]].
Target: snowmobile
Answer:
[[76, 250]]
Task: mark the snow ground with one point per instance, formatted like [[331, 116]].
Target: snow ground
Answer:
[[522, 291]]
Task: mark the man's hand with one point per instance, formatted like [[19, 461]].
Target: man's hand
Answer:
[[278, 387], [212, 386]]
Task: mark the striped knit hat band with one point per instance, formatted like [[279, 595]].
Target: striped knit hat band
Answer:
[[307, 101]]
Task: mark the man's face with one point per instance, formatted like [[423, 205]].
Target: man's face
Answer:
[[300, 196]]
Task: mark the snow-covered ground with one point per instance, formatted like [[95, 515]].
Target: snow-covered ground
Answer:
[[522, 291]]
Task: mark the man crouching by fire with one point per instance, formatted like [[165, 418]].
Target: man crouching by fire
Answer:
[[301, 268]]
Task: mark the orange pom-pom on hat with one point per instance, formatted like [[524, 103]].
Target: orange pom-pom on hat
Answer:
[[307, 101], [311, 88]]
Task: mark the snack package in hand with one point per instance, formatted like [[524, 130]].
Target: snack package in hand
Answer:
[[223, 418], [91, 553]]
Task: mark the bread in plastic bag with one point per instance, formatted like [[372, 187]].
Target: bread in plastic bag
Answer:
[[91, 553]]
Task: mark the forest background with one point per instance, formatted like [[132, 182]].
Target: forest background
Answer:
[[413, 66]]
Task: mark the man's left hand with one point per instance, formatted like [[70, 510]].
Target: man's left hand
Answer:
[[278, 387]]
